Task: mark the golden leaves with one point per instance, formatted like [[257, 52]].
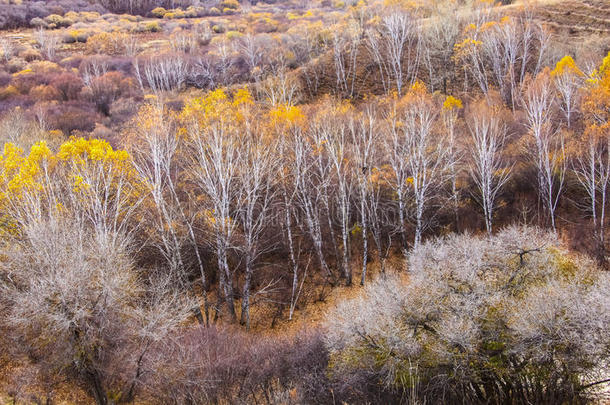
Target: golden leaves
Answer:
[[20, 173], [452, 103], [566, 66]]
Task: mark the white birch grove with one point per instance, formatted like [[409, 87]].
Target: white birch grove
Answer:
[[155, 156], [216, 152], [395, 45], [364, 133], [254, 208], [336, 145], [487, 167], [549, 151], [591, 165]]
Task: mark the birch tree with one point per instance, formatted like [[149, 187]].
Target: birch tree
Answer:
[[427, 155], [568, 79], [364, 143], [487, 167], [311, 171], [287, 126], [395, 47], [592, 161], [216, 140], [549, 153], [257, 168], [155, 148], [449, 114]]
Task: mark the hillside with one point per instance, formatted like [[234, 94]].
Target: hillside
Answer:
[[291, 202]]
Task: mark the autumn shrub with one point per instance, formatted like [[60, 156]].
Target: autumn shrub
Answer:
[[12, 16], [45, 92], [5, 78], [15, 65], [30, 54], [57, 21], [15, 14], [107, 43], [218, 28], [212, 364], [68, 85], [158, 12], [230, 4], [72, 116], [79, 260], [151, 26], [104, 90], [514, 318], [24, 80]]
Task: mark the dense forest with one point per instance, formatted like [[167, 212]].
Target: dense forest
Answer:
[[293, 202]]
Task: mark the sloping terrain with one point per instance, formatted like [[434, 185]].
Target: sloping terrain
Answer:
[[577, 17]]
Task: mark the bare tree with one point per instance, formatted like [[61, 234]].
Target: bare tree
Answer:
[[252, 50], [420, 160], [279, 88], [47, 43], [455, 153], [345, 46], [487, 168], [503, 52], [568, 80], [397, 158], [468, 300], [155, 151], [395, 46], [7, 47], [311, 186], [95, 67], [427, 156], [549, 155], [255, 203], [166, 72], [14, 126], [439, 36], [335, 137], [288, 188], [80, 311], [364, 143], [591, 165], [216, 152]]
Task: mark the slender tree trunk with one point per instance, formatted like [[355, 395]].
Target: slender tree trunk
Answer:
[[225, 278], [365, 244], [97, 388], [403, 232], [347, 272], [245, 299]]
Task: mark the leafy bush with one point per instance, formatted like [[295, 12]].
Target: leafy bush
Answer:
[[218, 28], [57, 21], [511, 319], [158, 12], [230, 4], [72, 116]]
